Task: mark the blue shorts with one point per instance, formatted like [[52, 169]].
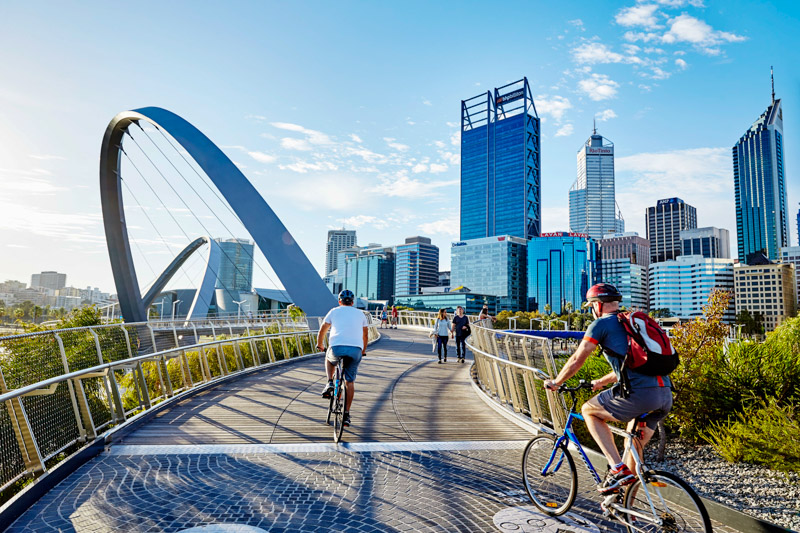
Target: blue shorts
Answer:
[[655, 402], [350, 356]]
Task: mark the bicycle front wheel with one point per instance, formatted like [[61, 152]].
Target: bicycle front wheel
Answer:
[[549, 474], [676, 505], [338, 414]]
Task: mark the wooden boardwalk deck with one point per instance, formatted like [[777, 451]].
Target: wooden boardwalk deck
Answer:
[[402, 394]]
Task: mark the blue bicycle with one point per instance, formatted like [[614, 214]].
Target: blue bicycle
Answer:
[[655, 501]]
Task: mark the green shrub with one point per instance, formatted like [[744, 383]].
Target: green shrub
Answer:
[[765, 432]]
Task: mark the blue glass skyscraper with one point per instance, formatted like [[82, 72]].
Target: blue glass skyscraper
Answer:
[[500, 170], [561, 268], [760, 187], [416, 265]]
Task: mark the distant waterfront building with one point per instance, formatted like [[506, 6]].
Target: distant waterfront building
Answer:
[[592, 204], [561, 268], [791, 255], [416, 265], [370, 273], [444, 279], [624, 262], [708, 242], [664, 224], [760, 186], [337, 240], [493, 266], [500, 169], [470, 301], [235, 274], [767, 289], [49, 280], [683, 285]]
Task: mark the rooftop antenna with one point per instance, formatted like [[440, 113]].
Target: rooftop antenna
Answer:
[[594, 119], [772, 78]]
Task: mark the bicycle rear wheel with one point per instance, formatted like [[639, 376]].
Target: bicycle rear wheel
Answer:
[[675, 502], [551, 487], [338, 414]]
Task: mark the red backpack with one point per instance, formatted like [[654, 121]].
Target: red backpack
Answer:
[[650, 352]]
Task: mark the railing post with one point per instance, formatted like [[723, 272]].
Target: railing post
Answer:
[[78, 412], [28, 447], [204, 368], [110, 384], [236, 352], [138, 375], [270, 350], [286, 354], [188, 382]]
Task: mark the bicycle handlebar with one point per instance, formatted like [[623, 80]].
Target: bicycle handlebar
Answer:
[[582, 384]]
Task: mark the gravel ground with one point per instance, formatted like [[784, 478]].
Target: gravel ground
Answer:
[[755, 490]]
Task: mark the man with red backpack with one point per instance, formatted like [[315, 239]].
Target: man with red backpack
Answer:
[[628, 340]]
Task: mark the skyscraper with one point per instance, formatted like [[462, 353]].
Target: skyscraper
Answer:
[[664, 224], [708, 242], [500, 181], [624, 260], [494, 266], [683, 285], [416, 265], [370, 273], [760, 186], [235, 274], [49, 280], [561, 268], [592, 204], [337, 240]]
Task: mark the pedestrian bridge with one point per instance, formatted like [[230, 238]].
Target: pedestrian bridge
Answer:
[[246, 448]]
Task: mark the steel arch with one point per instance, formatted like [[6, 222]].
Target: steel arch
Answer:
[[293, 268]]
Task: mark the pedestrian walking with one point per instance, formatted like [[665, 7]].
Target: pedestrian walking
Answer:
[[461, 331], [484, 315], [395, 316], [384, 319], [441, 330]]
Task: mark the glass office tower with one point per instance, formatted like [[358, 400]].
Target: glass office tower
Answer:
[[760, 187], [338, 240], [416, 265], [708, 242], [500, 171], [370, 274], [235, 274], [664, 224], [561, 268], [624, 259], [592, 204]]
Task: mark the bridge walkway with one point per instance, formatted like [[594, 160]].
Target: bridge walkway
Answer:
[[252, 455]]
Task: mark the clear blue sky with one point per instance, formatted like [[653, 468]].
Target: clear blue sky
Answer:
[[347, 112]]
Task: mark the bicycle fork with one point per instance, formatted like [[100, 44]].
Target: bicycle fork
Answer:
[[639, 469]]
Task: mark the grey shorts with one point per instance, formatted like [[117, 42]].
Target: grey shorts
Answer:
[[653, 401], [350, 356]]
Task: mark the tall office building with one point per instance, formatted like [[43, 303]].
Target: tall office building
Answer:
[[49, 280], [624, 260], [235, 274], [492, 266], [561, 268], [337, 240], [592, 204], [500, 170], [683, 285], [760, 186], [798, 227], [791, 254], [370, 273], [708, 242], [416, 265], [766, 289], [664, 224]]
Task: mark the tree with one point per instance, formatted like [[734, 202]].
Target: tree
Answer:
[[661, 313], [547, 309], [752, 324], [568, 307]]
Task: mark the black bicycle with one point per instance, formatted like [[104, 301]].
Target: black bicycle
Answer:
[[338, 403]]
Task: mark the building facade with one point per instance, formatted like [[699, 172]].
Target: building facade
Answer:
[[624, 262], [708, 242], [664, 224], [769, 290], [500, 169], [370, 274], [682, 285], [416, 265], [470, 301], [561, 268], [235, 274], [760, 187], [337, 240], [49, 280], [791, 254], [493, 265], [592, 203]]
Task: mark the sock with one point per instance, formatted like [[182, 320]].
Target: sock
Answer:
[[618, 466]]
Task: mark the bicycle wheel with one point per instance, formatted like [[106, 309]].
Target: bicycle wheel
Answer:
[[330, 411], [552, 490], [338, 420], [676, 504]]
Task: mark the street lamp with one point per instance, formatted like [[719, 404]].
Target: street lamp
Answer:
[[160, 309], [175, 303], [239, 309], [539, 320]]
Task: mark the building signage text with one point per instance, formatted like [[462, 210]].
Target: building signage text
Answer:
[[599, 151], [510, 97], [565, 234], [460, 243], [668, 201]]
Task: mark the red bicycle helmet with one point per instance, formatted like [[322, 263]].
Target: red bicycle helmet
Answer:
[[603, 292]]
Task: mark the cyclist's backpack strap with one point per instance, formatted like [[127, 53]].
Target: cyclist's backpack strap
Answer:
[[650, 351]]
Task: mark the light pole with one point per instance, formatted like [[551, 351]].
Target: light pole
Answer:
[[539, 320], [175, 303], [160, 310], [239, 309], [514, 318]]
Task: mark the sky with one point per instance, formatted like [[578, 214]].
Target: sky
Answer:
[[347, 114]]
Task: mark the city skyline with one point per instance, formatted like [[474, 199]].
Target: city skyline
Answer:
[[644, 71]]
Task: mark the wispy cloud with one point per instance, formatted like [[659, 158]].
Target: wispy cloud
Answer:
[[262, 157], [401, 185], [565, 131], [640, 15], [606, 115], [47, 157], [598, 87], [392, 143], [554, 106]]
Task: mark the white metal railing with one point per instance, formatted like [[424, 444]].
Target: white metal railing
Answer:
[[424, 319], [508, 366], [62, 388]]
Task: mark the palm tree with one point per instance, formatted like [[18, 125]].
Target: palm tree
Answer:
[[547, 309], [568, 307]]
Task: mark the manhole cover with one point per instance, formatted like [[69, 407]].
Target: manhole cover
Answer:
[[528, 519], [223, 528]]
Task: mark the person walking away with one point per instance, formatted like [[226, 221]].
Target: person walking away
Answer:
[[348, 341], [484, 315], [441, 329], [395, 316], [461, 330], [384, 318]]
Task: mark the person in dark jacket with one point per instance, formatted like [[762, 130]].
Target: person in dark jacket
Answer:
[[461, 331]]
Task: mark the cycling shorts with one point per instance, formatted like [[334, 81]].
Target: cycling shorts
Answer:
[[655, 402], [350, 356]]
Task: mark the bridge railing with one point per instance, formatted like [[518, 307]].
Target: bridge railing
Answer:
[[506, 363], [64, 388], [424, 319]]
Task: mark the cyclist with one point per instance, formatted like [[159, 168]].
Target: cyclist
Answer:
[[348, 341], [634, 395]]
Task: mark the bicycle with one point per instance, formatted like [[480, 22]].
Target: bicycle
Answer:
[[655, 501], [338, 402]]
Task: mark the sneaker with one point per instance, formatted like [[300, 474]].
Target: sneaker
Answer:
[[346, 420], [462, 359], [615, 480], [440, 361], [445, 358], [327, 392]]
